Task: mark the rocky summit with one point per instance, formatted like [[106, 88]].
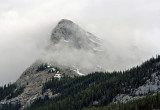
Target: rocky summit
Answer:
[[75, 36]]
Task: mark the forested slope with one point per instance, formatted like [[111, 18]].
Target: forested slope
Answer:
[[96, 89]]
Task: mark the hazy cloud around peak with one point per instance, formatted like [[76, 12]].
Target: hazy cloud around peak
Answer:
[[131, 30]]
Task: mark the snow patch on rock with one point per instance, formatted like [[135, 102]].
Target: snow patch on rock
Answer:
[[151, 86]]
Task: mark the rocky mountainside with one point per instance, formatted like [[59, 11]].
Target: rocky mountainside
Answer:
[[41, 71], [33, 79], [46, 85]]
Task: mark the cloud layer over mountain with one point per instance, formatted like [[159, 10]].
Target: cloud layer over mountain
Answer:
[[130, 30]]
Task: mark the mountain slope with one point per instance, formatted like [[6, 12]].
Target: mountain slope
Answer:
[[100, 89]]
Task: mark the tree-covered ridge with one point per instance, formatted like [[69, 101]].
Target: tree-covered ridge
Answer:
[[10, 106], [6, 90], [15, 93], [150, 102], [82, 92], [10, 91]]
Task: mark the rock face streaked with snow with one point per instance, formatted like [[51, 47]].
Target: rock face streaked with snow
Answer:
[[75, 36], [151, 86]]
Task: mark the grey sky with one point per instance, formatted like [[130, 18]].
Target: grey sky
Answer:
[[130, 28]]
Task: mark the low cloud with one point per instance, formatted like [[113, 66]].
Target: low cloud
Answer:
[[129, 30]]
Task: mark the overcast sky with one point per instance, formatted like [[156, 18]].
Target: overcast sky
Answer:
[[131, 27]]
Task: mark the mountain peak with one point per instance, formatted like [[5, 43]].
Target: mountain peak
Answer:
[[73, 34], [66, 21]]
